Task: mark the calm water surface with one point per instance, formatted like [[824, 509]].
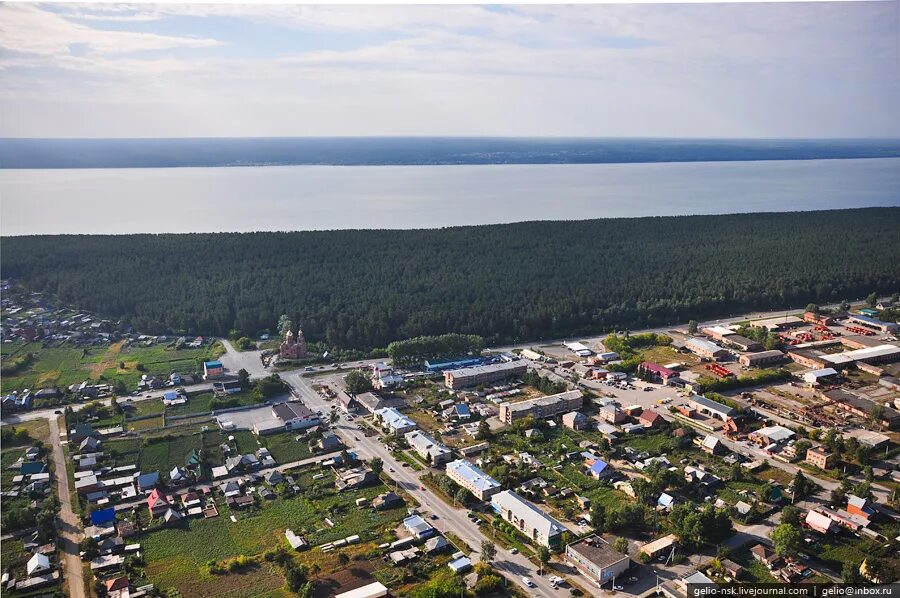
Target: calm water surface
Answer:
[[332, 197]]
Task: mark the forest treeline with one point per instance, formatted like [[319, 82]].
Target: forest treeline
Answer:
[[524, 281]]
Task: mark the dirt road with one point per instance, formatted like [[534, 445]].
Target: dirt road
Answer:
[[67, 524]]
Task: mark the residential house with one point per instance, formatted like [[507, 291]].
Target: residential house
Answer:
[[386, 501], [575, 420], [650, 418], [157, 502], [820, 522]]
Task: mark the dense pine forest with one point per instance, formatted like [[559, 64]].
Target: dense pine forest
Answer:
[[364, 289]]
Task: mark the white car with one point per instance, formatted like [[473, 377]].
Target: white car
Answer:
[[527, 581]]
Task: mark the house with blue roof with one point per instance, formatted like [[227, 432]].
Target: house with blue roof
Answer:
[[104, 517], [147, 481], [462, 411], [600, 469]]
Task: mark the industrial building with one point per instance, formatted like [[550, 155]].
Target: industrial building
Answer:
[[483, 374], [536, 525], [885, 353], [874, 324], [579, 349], [596, 559], [773, 324], [704, 348], [542, 407], [761, 358], [863, 407], [481, 485], [742, 342], [712, 408]]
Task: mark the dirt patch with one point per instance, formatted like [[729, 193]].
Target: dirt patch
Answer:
[[108, 360], [51, 376]]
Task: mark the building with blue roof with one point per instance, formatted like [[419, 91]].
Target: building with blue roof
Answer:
[[104, 517], [453, 364], [600, 469], [147, 481], [462, 411]]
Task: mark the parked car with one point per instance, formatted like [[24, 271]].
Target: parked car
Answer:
[[527, 581]]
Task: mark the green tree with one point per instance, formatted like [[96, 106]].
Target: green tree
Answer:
[[488, 551], [243, 378], [598, 516], [872, 299], [692, 327], [787, 540], [543, 554], [812, 308], [621, 545], [484, 430], [790, 515], [357, 382], [376, 465]]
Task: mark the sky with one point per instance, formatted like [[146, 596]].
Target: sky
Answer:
[[808, 69]]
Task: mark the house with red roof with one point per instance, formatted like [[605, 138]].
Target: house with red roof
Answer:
[[650, 418], [157, 502]]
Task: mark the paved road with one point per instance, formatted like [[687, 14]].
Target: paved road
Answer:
[[68, 525], [450, 519]]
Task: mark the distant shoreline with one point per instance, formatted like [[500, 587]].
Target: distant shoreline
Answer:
[[28, 154]]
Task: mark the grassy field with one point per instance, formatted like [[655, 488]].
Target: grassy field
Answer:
[[146, 424], [62, 364], [756, 571], [39, 429], [201, 403], [175, 555], [123, 452], [664, 355], [151, 407], [285, 448], [654, 444], [166, 453]]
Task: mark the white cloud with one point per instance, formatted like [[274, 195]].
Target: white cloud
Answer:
[[651, 70], [28, 29]]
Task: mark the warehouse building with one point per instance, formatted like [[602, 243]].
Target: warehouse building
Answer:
[[885, 353], [863, 407], [712, 408], [742, 342], [542, 407], [773, 324], [536, 525], [761, 358], [579, 349], [483, 374], [718, 332], [481, 485], [874, 324], [705, 348]]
